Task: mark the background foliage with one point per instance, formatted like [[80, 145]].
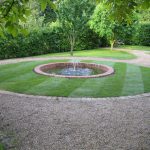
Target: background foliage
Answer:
[[47, 40], [43, 33]]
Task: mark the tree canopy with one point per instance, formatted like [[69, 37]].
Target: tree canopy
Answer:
[[73, 19], [122, 10], [12, 12], [110, 28]]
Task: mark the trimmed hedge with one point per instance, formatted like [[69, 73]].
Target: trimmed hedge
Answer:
[[142, 35], [36, 43], [44, 41]]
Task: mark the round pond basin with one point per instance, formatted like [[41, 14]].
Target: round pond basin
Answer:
[[74, 70]]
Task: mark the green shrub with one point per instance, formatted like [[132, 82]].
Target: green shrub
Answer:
[[87, 40], [36, 43], [43, 41], [142, 35]]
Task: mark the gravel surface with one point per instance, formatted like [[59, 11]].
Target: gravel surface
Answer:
[[46, 124], [51, 123]]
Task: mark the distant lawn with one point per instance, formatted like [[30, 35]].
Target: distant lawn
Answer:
[[136, 47], [127, 80], [1, 147], [105, 53]]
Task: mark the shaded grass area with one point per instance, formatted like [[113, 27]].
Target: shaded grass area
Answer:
[[1, 147], [135, 47], [105, 53], [127, 80]]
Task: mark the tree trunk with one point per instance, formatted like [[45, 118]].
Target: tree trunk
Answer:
[[112, 44]]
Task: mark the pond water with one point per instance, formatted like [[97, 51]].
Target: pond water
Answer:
[[71, 71]]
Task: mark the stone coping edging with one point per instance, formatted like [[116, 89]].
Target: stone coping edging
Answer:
[[107, 70], [74, 99]]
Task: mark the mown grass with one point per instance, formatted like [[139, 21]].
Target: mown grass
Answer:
[[1, 147], [127, 80], [135, 47], [105, 53]]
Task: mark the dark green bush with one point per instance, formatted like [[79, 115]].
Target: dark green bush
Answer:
[[87, 40], [44, 41], [142, 35], [36, 43]]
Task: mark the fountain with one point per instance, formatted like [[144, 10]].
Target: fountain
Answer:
[[75, 63], [74, 69]]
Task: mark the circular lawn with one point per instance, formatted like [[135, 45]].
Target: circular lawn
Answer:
[[127, 80]]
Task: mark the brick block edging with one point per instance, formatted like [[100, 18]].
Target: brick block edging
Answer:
[[41, 69]]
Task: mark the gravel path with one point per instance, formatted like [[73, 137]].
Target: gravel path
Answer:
[[50, 123], [143, 59], [47, 124]]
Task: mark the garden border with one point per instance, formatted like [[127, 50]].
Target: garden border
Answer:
[[73, 98]]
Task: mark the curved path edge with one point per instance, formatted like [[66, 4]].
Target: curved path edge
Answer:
[[142, 59], [73, 98]]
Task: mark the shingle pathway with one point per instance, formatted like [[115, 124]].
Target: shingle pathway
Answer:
[[52, 123]]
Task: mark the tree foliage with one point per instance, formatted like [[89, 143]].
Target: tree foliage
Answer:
[[106, 27], [123, 9], [73, 17], [14, 12], [50, 14], [144, 16]]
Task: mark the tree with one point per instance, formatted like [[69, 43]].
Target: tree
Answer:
[[102, 25], [123, 9], [73, 17], [14, 12], [50, 14], [106, 27], [144, 16]]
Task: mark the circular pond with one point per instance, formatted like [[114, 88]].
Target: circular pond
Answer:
[[74, 70]]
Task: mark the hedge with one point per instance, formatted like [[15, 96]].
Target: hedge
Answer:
[[142, 35], [44, 41]]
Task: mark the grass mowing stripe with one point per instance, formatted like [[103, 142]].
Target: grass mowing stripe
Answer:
[[21, 77], [133, 81], [21, 86], [90, 90], [24, 68], [66, 87], [16, 68], [16, 71], [113, 84], [45, 87], [146, 78]]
